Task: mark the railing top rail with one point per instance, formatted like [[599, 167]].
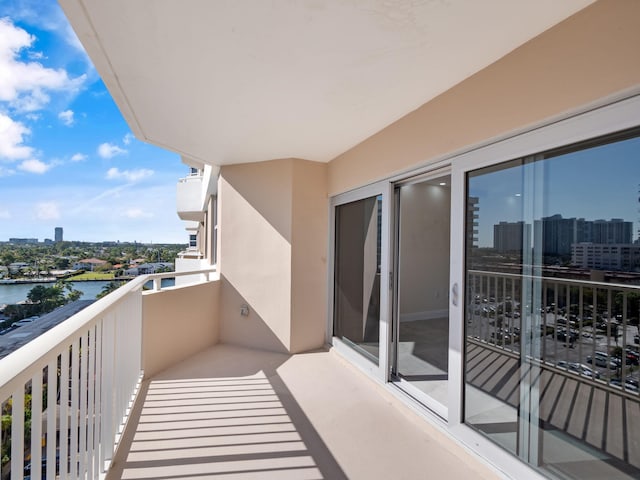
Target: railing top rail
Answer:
[[26, 357], [191, 178], [569, 281]]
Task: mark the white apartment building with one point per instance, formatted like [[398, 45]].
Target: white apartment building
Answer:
[[598, 256], [350, 159]]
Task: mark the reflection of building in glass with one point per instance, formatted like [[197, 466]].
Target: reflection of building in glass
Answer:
[[599, 256], [509, 236], [557, 234], [611, 231], [472, 220]]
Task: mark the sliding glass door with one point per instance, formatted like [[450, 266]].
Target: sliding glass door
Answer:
[[421, 313], [358, 249], [552, 308]]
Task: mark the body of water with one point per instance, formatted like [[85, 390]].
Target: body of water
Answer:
[[14, 293]]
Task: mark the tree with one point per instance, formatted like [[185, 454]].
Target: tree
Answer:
[[72, 294], [109, 287], [62, 263], [49, 298]]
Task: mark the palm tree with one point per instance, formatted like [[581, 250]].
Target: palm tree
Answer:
[[109, 287]]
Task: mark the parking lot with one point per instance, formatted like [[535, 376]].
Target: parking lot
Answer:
[[557, 341]]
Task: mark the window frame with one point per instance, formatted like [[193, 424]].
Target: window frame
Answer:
[[379, 372], [596, 122]]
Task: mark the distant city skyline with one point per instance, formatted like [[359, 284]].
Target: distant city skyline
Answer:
[[67, 157], [578, 184]]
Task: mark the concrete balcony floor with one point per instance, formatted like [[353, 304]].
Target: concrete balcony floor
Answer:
[[234, 413]]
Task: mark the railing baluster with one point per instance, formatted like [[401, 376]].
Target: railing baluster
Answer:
[[75, 392], [90, 403], [97, 464], [52, 390], [609, 320], [108, 394], [17, 433], [623, 354], [64, 412], [36, 426], [82, 421]]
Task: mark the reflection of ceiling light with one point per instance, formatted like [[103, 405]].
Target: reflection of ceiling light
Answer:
[[442, 184], [517, 194]]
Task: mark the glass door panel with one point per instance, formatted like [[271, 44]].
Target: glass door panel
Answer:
[[552, 306], [357, 275], [422, 301]]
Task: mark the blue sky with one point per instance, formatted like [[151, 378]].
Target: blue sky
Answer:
[[67, 157]]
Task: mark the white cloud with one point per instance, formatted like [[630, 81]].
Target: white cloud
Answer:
[[5, 214], [34, 166], [137, 213], [47, 211], [128, 175], [78, 157], [66, 117], [24, 85], [128, 138], [12, 135], [109, 150]]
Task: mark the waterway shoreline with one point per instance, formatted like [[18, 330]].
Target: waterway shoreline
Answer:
[[54, 280], [13, 293]]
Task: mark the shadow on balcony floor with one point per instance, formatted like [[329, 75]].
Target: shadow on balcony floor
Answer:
[[234, 413]]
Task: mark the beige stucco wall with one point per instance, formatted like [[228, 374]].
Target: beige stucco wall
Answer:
[[309, 255], [589, 56], [266, 208], [273, 224], [177, 323]]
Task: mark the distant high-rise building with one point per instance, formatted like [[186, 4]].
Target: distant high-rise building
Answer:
[[557, 234], [58, 235], [611, 231], [606, 256], [512, 236], [472, 221]]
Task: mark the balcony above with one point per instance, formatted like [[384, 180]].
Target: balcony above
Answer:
[[318, 95], [189, 198]]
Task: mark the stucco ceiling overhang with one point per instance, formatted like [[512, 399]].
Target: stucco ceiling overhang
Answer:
[[234, 81]]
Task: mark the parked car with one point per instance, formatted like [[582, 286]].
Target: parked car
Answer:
[[632, 357], [20, 323], [629, 384], [578, 368], [603, 360]]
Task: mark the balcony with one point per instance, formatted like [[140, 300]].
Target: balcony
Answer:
[[189, 198], [141, 389]]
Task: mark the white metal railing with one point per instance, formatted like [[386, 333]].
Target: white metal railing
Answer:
[[192, 253], [67, 394], [571, 322]]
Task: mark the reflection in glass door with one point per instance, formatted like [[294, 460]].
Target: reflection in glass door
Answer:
[[421, 326], [357, 275]]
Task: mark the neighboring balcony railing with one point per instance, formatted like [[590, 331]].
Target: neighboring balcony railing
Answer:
[[583, 328], [67, 394], [189, 198], [191, 253]]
